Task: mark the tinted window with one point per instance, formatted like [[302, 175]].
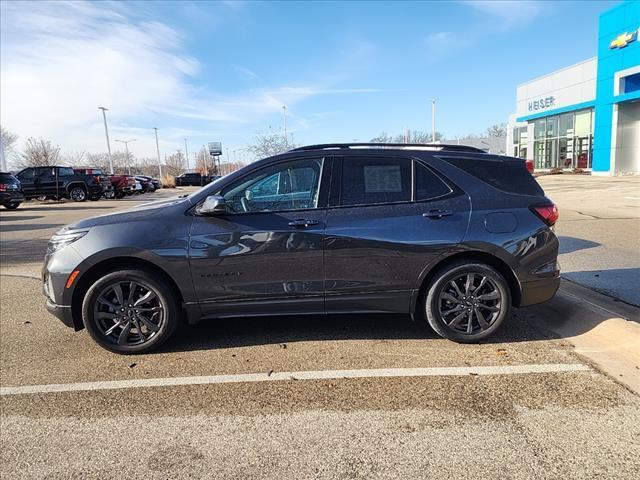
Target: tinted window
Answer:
[[508, 175], [44, 172], [374, 180], [27, 173], [428, 185], [65, 171], [286, 186], [7, 178]]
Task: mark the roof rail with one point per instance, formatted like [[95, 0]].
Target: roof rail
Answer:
[[440, 146]]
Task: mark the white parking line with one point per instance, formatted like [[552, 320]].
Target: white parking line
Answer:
[[284, 376]]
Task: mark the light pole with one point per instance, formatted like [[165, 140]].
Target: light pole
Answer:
[[433, 120], [284, 117], [126, 147], [186, 153], [106, 132], [158, 150]]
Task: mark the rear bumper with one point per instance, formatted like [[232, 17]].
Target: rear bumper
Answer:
[[539, 291], [11, 197]]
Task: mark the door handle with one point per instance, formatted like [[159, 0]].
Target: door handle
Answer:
[[437, 213], [303, 222]]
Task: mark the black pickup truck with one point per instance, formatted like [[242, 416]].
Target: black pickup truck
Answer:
[[58, 182], [192, 179]]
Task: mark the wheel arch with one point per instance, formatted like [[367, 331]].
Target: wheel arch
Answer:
[[112, 264], [75, 184], [472, 256]]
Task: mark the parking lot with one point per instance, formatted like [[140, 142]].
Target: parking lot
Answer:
[[555, 393]]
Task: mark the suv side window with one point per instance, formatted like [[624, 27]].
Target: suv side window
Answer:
[[428, 184], [292, 185], [65, 171], [375, 180], [26, 174], [44, 172]]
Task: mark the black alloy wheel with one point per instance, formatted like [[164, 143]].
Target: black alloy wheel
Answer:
[[131, 311], [467, 302]]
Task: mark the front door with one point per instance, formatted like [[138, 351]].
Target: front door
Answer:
[[266, 252], [389, 217]]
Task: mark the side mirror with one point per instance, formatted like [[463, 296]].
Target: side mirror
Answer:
[[213, 205]]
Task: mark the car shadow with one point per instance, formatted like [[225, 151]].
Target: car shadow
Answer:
[[14, 252], [28, 226], [254, 331], [18, 218], [573, 244], [55, 206]]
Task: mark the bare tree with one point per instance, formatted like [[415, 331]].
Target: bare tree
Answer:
[[174, 164], [409, 136], [497, 130], [75, 158], [269, 144], [8, 145], [39, 153]]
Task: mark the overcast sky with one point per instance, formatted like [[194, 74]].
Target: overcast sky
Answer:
[[221, 71]]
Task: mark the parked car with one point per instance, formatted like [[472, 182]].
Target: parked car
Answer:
[[157, 184], [146, 184], [11, 195], [100, 177], [122, 185], [138, 186], [450, 235], [192, 179], [58, 182]]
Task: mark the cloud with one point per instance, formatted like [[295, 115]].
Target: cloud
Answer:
[[61, 60], [511, 13]]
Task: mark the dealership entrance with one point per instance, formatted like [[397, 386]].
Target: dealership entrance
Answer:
[[627, 153]]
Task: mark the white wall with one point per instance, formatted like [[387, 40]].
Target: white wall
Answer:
[[568, 86]]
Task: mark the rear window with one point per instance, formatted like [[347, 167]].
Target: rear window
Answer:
[[7, 178], [509, 176]]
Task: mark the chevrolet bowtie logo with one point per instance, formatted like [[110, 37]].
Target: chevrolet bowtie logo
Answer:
[[623, 40]]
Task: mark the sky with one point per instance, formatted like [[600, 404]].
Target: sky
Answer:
[[221, 71]]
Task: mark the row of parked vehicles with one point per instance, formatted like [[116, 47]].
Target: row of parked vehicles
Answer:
[[77, 184]]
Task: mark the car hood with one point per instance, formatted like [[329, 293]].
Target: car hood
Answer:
[[139, 212]]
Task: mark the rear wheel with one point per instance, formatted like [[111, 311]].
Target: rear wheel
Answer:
[[467, 302], [130, 311], [109, 194], [11, 206], [78, 194]]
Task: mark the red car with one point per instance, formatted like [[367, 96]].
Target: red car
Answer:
[[123, 185], [529, 165]]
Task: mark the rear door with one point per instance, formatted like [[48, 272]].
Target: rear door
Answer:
[[389, 217]]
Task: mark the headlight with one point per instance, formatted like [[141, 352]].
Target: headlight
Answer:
[[64, 237]]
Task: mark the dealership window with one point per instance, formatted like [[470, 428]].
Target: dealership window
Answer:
[[564, 141]]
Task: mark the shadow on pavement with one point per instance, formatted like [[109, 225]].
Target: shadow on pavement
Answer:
[[28, 227], [15, 252], [18, 218], [56, 207], [623, 283], [573, 244]]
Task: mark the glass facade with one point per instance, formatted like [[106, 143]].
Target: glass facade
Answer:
[[562, 141], [520, 137]]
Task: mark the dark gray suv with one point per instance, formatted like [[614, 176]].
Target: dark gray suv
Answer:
[[450, 235]]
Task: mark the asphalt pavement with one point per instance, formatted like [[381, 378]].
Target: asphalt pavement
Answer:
[[310, 397]]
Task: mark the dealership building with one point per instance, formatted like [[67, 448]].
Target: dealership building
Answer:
[[586, 115]]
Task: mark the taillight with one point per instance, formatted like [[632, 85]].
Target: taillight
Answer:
[[548, 213], [529, 165], [3, 187]]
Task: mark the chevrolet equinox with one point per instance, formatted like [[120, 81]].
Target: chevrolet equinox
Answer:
[[451, 235]]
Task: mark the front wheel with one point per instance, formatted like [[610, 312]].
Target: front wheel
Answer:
[[467, 302], [78, 194], [130, 311], [11, 206]]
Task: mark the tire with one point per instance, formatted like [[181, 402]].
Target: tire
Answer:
[[447, 309], [11, 206], [78, 194], [119, 195], [139, 338], [109, 194], [95, 198]]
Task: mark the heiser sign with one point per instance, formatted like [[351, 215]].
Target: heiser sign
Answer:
[[541, 103]]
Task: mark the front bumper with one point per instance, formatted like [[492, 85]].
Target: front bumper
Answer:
[[62, 312]]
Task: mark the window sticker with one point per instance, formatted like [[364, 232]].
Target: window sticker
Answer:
[[382, 178]]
